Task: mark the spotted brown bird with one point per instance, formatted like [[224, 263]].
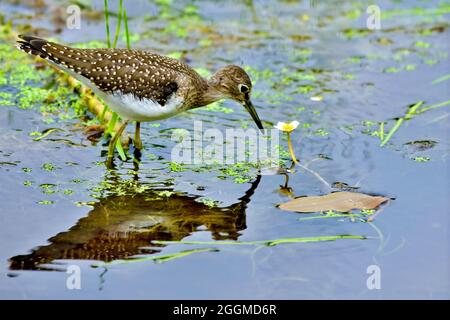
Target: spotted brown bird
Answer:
[[142, 85]]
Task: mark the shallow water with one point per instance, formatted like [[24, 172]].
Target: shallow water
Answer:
[[61, 207]]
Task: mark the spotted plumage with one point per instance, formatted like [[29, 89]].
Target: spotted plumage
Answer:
[[143, 85], [145, 75]]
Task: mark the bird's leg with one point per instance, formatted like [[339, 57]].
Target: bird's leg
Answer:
[[113, 142], [137, 136]]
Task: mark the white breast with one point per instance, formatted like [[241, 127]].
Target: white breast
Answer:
[[131, 108], [127, 106]]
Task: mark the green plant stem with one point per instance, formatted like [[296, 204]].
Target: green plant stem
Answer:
[[120, 150], [408, 116], [127, 34], [412, 111], [108, 41], [112, 123], [265, 242], [47, 133], [156, 258], [102, 115], [119, 23], [434, 106], [338, 215], [441, 79], [115, 117], [291, 149], [381, 131]]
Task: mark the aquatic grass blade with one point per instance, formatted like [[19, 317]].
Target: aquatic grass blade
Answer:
[[412, 111], [381, 131], [121, 13], [108, 38], [434, 106], [46, 133], [392, 131], [408, 116], [417, 11], [120, 150], [157, 258], [119, 22], [112, 123], [339, 215], [273, 242], [105, 109], [441, 79], [127, 34]]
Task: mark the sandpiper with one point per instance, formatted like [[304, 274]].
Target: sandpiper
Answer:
[[142, 85]]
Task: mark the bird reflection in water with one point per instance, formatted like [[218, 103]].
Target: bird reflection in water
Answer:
[[122, 226]]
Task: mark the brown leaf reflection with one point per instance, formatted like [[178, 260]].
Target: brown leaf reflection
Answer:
[[119, 227]]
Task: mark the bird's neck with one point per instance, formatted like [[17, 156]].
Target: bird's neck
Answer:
[[209, 94]]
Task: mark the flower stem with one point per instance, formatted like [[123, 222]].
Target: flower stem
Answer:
[[291, 149]]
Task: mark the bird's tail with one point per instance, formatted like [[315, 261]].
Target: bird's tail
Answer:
[[62, 57], [32, 45]]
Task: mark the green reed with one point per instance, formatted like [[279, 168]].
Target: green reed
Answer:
[[269, 243], [122, 14], [159, 258], [415, 110], [398, 123]]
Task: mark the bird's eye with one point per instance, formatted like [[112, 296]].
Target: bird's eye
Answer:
[[243, 88]]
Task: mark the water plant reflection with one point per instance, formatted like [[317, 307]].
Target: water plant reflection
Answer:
[[122, 226]]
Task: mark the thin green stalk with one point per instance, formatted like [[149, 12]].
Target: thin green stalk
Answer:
[[105, 108], [115, 116], [408, 116], [108, 41], [120, 150], [412, 111], [112, 123], [291, 149], [441, 79], [119, 23], [157, 258], [109, 131], [127, 34], [264, 242], [434, 106], [381, 131], [392, 131], [338, 215], [46, 133], [387, 14]]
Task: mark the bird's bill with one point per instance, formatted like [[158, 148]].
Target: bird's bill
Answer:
[[251, 109]]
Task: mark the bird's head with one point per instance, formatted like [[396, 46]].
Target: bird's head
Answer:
[[232, 82]]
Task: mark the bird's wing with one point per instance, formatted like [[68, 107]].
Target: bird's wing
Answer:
[[146, 75]]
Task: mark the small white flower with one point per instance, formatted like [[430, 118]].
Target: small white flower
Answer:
[[287, 127]]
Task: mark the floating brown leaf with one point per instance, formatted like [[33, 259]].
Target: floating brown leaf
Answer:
[[337, 201]]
